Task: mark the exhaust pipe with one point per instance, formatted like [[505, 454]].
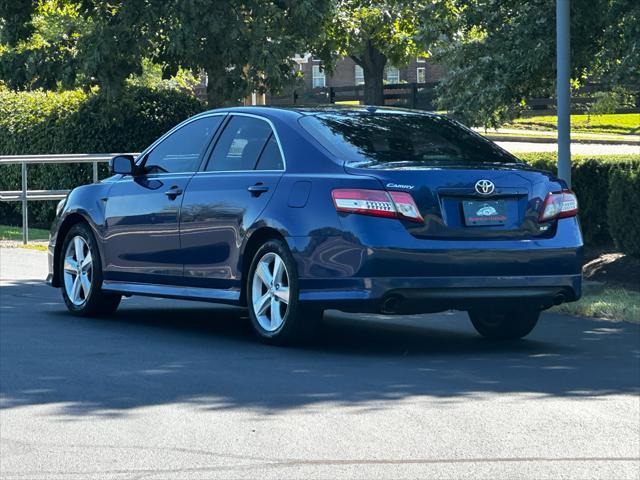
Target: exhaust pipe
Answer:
[[391, 304], [559, 299]]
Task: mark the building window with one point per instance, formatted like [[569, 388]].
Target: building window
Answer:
[[421, 59], [393, 75], [319, 79], [421, 75], [359, 75]]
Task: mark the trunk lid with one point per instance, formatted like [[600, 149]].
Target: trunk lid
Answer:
[[453, 208]]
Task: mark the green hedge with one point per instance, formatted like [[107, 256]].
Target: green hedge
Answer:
[[76, 122], [624, 209], [590, 177]]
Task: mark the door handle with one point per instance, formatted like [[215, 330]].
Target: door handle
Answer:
[[173, 192], [258, 189]]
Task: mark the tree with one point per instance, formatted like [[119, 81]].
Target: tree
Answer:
[[15, 20], [68, 43], [242, 46], [372, 33], [41, 52], [503, 52]]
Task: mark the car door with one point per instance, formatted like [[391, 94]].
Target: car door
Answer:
[[225, 199], [142, 242]]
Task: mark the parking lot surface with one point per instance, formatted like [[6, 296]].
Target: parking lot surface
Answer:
[[166, 389]]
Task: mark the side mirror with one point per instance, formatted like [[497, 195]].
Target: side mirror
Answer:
[[122, 164]]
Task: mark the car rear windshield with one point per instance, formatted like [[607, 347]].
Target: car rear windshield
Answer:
[[378, 138]]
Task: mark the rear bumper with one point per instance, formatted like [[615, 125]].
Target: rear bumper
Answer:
[[361, 272], [434, 294]]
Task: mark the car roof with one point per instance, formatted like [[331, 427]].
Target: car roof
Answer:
[[297, 111]]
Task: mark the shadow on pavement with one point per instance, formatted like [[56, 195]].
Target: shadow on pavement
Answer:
[[155, 352]]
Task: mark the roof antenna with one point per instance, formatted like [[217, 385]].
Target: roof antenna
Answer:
[[372, 109]]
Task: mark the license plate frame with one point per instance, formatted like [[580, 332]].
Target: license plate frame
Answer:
[[484, 213]]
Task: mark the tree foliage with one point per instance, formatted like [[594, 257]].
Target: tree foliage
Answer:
[[39, 48], [242, 45], [15, 20], [504, 52]]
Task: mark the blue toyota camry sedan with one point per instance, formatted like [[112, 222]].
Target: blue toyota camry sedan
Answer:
[[290, 212]]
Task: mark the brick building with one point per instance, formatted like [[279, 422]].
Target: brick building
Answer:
[[347, 73]]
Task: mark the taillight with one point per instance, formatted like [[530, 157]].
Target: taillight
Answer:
[[559, 205], [377, 202]]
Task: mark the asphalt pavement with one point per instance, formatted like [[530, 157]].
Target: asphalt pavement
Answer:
[[167, 389]]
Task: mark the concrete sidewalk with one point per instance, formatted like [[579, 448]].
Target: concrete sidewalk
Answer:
[[576, 148], [545, 136]]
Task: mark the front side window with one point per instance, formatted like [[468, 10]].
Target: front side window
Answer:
[[180, 151], [371, 139], [242, 144], [319, 79]]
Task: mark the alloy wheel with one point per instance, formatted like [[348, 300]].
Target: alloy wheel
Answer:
[[270, 292], [78, 270]]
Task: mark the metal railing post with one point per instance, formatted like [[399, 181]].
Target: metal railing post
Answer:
[[95, 172], [25, 205]]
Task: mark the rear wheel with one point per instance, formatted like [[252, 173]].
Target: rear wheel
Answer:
[[81, 273], [276, 314], [509, 325]]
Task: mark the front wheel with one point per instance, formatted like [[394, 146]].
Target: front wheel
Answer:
[[509, 325], [81, 273], [276, 314]]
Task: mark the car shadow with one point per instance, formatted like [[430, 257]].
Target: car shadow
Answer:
[[156, 352]]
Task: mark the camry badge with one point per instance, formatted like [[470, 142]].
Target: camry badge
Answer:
[[485, 187], [396, 185]]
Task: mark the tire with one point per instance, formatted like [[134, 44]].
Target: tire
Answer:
[[84, 297], [510, 325], [272, 286]]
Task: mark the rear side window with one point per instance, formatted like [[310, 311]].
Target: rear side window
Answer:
[[180, 151], [270, 158], [368, 139], [245, 144]]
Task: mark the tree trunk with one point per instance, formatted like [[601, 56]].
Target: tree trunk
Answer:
[[373, 63], [216, 87]]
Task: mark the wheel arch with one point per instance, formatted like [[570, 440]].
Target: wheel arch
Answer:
[[253, 243], [66, 225]]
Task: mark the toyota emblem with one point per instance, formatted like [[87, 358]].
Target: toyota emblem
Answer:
[[485, 187]]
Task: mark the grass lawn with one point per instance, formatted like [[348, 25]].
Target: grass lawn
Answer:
[[15, 233], [617, 123], [553, 156], [612, 303]]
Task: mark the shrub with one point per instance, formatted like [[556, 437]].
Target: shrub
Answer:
[[590, 180], [624, 209], [76, 122]]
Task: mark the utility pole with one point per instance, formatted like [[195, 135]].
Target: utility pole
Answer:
[[563, 82]]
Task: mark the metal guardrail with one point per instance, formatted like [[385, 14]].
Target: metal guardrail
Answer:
[[25, 195]]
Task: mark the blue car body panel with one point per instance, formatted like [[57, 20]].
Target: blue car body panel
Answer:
[[195, 245]]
